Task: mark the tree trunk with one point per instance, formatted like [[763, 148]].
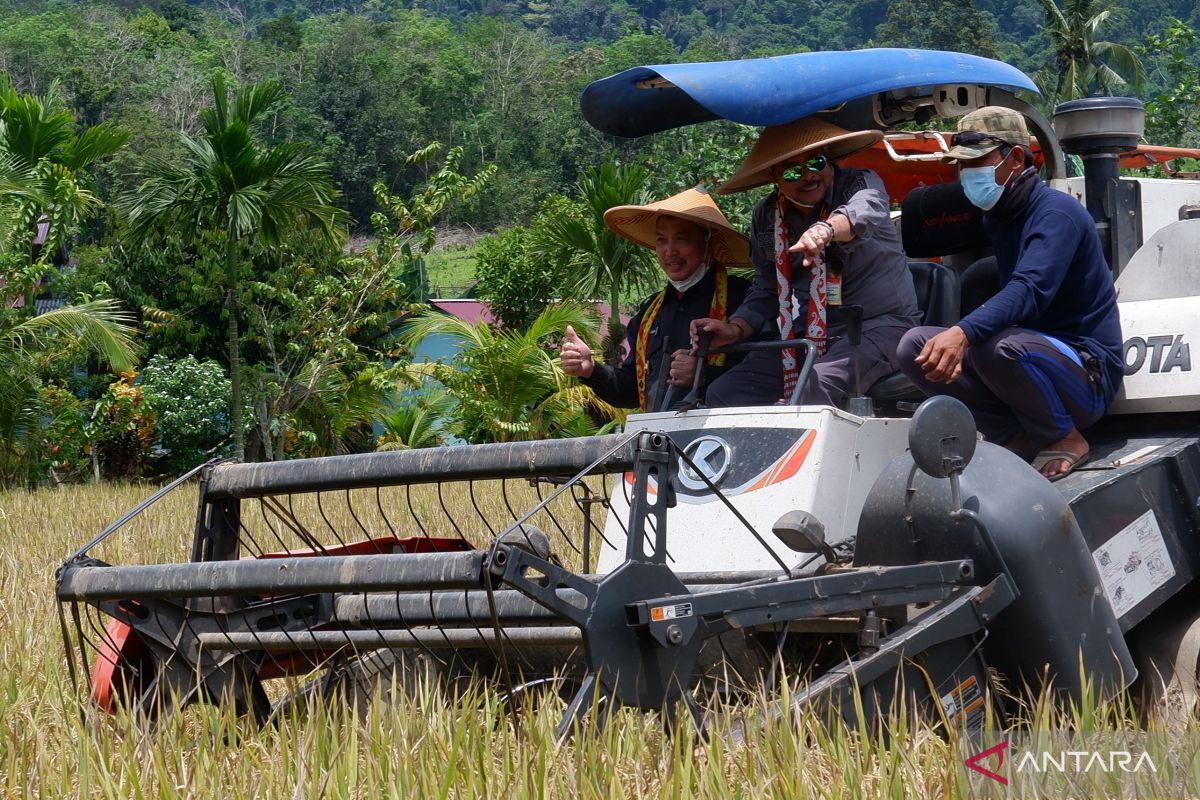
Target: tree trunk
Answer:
[[616, 331], [235, 354]]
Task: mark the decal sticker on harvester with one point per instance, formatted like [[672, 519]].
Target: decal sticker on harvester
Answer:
[[735, 467], [963, 705], [670, 612], [1134, 563], [1160, 353]]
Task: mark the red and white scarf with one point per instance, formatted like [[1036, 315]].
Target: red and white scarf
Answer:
[[815, 321]]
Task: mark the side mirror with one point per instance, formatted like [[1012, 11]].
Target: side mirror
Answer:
[[800, 531], [942, 437]]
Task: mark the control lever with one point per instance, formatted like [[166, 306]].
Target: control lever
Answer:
[[704, 349], [693, 397], [665, 370], [857, 404]]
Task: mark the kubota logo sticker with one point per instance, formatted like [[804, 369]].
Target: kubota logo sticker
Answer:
[[1157, 354], [712, 457]]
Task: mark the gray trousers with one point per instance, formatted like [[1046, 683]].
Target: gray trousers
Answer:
[[758, 380], [1016, 381]]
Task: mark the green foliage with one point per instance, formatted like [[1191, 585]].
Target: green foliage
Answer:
[[405, 229], [232, 183], [66, 451], [507, 384], [418, 422], [32, 348], [1173, 113], [122, 429], [315, 326], [43, 182], [703, 155], [609, 264], [520, 271], [1084, 65], [938, 25], [30, 345], [327, 410], [191, 399]]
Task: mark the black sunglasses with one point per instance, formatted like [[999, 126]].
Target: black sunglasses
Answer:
[[970, 138], [797, 171]]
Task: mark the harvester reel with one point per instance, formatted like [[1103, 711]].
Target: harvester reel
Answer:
[[380, 611]]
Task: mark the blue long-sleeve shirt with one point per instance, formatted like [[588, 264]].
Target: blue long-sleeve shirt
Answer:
[[1053, 280]]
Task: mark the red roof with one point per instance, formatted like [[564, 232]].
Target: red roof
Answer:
[[474, 312]]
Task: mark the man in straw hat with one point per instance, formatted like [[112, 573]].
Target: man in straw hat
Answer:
[[823, 238], [694, 244], [1041, 359]]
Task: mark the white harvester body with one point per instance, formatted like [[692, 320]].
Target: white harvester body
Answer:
[[765, 461]]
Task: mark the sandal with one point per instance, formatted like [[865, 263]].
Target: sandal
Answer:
[[1047, 456]]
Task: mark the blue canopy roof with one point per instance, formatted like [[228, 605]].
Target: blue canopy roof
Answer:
[[770, 91]]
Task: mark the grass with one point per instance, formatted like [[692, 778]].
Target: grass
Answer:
[[451, 271], [424, 747]]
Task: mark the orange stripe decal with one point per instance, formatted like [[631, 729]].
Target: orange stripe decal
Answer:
[[788, 464]]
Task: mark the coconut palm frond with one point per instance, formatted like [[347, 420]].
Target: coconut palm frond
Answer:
[[99, 327]]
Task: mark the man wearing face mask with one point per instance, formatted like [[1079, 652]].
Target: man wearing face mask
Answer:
[[694, 244], [1041, 359]]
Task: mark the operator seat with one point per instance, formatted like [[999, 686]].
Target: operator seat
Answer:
[[935, 220], [979, 281]]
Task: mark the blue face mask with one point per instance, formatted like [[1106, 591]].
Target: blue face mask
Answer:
[[979, 184]]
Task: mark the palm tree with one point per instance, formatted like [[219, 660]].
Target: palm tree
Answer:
[[19, 189], [1083, 65], [418, 422], [97, 328], [331, 410], [610, 264], [507, 383], [244, 190], [39, 147]]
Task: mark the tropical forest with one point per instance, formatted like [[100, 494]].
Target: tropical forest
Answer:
[[223, 223]]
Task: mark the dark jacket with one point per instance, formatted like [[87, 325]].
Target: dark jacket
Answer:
[[1053, 280], [618, 385]]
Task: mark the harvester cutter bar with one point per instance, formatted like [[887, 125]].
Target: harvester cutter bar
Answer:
[[281, 642], [786, 600], [642, 628]]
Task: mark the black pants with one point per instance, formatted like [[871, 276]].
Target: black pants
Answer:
[[1019, 380]]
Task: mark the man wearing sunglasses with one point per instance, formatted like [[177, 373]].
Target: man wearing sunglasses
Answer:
[[1041, 359], [822, 239]]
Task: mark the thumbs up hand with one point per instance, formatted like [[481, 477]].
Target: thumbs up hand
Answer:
[[575, 356]]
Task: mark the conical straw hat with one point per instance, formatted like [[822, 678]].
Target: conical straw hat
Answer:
[[779, 143], [637, 224]]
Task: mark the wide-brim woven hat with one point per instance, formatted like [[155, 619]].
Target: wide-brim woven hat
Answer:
[[637, 224], [779, 143]]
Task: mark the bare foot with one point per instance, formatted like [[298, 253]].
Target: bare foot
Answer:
[[1058, 458]]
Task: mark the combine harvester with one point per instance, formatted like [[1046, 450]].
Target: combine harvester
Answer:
[[660, 565]]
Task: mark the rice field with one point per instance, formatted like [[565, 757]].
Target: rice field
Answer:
[[425, 746]]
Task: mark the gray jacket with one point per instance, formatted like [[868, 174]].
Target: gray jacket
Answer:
[[873, 266]]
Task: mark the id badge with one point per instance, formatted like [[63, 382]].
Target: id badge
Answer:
[[833, 289]]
